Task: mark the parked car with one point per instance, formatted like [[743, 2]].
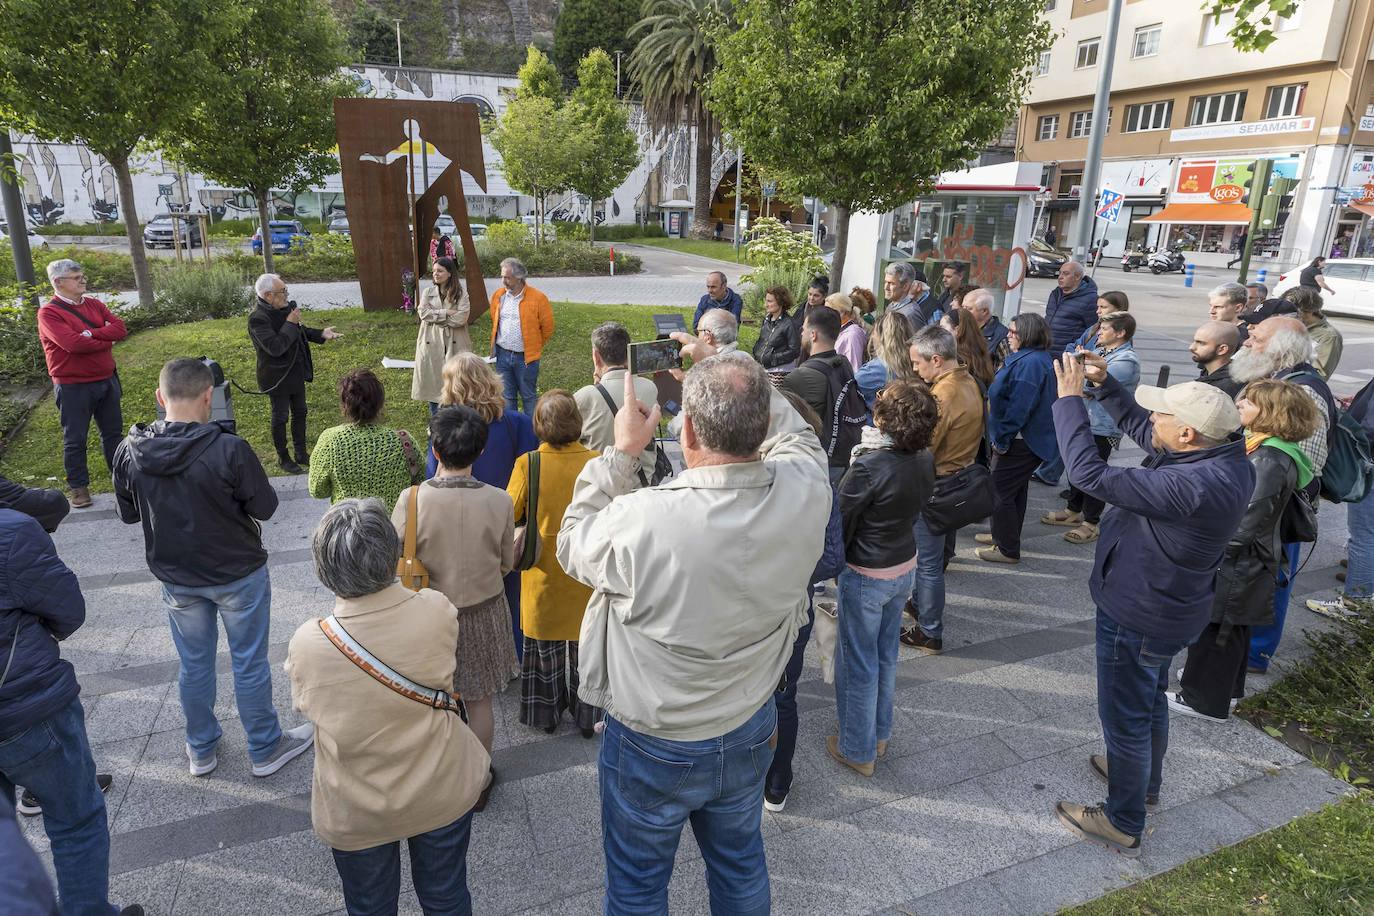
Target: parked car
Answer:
[[1351, 278], [446, 225], [479, 230], [286, 235], [36, 241], [339, 225], [1043, 259], [162, 229], [550, 234]]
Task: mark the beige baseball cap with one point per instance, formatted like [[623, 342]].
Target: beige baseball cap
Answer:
[[1205, 408]]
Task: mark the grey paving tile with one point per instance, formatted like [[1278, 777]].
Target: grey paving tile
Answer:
[[1273, 800], [1187, 831], [503, 832], [1029, 791], [943, 712], [945, 765], [1062, 877], [836, 868], [162, 790], [1053, 733], [287, 874], [976, 896], [154, 887], [564, 807], [514, 887], [127, 714], [1049, 684], [587, 904]]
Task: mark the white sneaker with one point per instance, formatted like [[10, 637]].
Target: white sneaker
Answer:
[[292, 744], [1335, 608], [201, 766], [1177, 704]]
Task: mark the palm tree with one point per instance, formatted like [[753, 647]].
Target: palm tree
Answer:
[[672, 62]]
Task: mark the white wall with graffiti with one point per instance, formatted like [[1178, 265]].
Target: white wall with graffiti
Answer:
[[67, 183]]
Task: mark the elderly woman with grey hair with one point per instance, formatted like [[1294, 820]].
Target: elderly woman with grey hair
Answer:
[[387, 767]]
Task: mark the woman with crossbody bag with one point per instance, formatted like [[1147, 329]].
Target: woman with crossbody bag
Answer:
[[393, 758]]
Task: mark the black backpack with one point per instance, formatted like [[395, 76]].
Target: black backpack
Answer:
[[845, 414]]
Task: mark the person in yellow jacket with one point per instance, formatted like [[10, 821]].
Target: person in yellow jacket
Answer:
[[521, 324]]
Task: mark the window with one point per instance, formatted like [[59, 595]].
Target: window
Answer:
[[1070, 184], [1148, 116], [1215, 28], [1043, 67], [1087, 53], [1080, 124], [1146, 42], [1284, 101], [1048, 128], [1049, 5], [1222, 108], [1344, 271]]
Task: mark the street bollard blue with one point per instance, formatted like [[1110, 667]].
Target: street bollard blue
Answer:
[[1188, 274], [1261, 276]]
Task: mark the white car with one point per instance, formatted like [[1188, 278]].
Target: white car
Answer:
[[36, 241], [446, 225], [1352, 280]]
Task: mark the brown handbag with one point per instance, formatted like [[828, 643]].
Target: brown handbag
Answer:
[[411, 571]]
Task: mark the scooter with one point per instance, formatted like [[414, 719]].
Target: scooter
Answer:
[[1135, 259], [1167, 261]]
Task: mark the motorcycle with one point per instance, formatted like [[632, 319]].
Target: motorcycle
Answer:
[[1135, 259], [1167, 261]]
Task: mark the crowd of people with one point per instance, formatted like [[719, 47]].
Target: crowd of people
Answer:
[[545, 538]]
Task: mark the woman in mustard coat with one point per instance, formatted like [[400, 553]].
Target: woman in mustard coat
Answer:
[[551, 602]]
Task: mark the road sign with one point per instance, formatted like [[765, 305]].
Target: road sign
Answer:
[[1109, 205]]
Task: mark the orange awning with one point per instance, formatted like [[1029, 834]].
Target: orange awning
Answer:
[[1206, 214], [1366, 209]]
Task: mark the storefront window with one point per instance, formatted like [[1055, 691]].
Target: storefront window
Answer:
[[978, 230]]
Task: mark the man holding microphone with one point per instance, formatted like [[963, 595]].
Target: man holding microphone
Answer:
[[283, 343]]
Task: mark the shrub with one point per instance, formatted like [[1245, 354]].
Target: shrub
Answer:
[[754, 285], [21, 354], [106, 271], [508, 234], [551, 259], [192, 292], [772, 244], [623, 231]]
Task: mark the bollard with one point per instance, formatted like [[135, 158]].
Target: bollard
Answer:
[[1261, 275], [1188, 274], [612, 260], [1163, 381]]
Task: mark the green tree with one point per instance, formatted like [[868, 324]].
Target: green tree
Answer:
[[673, 59], [863, 103], [1255, 20], [539, 78], [606, 149], [267, 118], [106, 74], [533, 136], [586, 24]]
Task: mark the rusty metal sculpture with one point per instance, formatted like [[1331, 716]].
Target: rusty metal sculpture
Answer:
[[376, 140]]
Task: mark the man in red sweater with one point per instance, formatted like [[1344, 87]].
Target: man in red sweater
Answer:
[[78, 334]]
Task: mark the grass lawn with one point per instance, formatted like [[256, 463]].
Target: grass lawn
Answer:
[[1320, 863], [35, 456], [721, 251]]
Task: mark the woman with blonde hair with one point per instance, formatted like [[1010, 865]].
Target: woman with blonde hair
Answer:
[[889, 356], [973, 349], [470, 381], [443, 313], [551, 601], [853, 338], [1277, 415]]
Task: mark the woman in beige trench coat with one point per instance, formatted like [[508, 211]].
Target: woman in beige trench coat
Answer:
[[443, 314]]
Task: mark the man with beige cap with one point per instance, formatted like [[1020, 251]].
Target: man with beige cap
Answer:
[[1154, 571]]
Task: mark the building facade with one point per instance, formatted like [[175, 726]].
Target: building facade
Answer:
[[1188, 117]]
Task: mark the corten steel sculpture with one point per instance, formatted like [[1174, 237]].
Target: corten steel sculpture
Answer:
[[379, 183]]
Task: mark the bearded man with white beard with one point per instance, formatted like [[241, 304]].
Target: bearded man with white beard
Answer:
[[1281, 348]]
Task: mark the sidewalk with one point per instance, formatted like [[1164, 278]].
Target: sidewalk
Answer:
[[958, 819]]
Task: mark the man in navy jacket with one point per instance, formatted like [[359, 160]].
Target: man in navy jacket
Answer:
[[1072, 306], [1154, 572], [718, 295], [43, 744]]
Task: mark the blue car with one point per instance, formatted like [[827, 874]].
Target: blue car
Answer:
[[286, 235]]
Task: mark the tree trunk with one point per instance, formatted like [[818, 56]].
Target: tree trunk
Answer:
[[591, 226], [261, 197], [143, 277], [702, 192], [841, 242]]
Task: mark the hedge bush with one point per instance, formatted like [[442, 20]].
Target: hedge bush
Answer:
[[617, 232], [192, 292], [106, 271], [21, 354]]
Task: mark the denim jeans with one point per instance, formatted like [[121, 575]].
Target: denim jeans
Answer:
[[1264, 641], [438, 863], [779, 780], [1132, 675], [1359, 579], [246, 608], [79, 403], [518, 378], [52, 759], [870, 623], [928, 591], [651, 787]]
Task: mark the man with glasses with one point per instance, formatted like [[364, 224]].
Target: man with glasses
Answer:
[[78, 333]]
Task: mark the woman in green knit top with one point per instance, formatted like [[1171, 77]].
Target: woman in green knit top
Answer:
[[361, 458]]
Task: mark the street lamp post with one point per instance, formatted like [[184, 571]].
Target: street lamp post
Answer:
[[1085, 225], [399, 61]]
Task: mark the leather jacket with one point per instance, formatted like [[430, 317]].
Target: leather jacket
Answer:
[[779, 342], [1253, 559], [880, 496]]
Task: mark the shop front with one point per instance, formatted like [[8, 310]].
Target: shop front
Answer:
[[1352, 235]]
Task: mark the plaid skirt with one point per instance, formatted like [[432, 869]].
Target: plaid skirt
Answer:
[[548, 685]]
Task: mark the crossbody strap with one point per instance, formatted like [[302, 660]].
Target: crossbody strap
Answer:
[[532, 495], [384, 674], [412, 528], [67, 308], [610, 402]]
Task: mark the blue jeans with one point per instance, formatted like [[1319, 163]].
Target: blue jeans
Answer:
[[928, 591], [246, 607], [1359, 579], [371, 878], [1264, 641], [1132, 675], [651, 787], [779, 780], [1052, 470], [518, 378], [52, 759], [866, 660]]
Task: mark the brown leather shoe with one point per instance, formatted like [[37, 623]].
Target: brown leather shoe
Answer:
[[832, 746], [80, 498]]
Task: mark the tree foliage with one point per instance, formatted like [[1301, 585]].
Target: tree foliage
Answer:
[[538, 78], [371, 31], [1255, 20], [863, 103], [265, 118], [606, 149], [108, 74], [586, 24], [532, 136]]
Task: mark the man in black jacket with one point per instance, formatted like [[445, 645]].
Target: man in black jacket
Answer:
[[283, 343], [1214, 344], [48, 507], [826, 383], [194, 485]]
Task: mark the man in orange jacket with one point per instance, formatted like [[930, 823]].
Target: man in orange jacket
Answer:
[[521, 324]]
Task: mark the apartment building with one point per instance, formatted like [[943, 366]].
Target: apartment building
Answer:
[[1188, 117]]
